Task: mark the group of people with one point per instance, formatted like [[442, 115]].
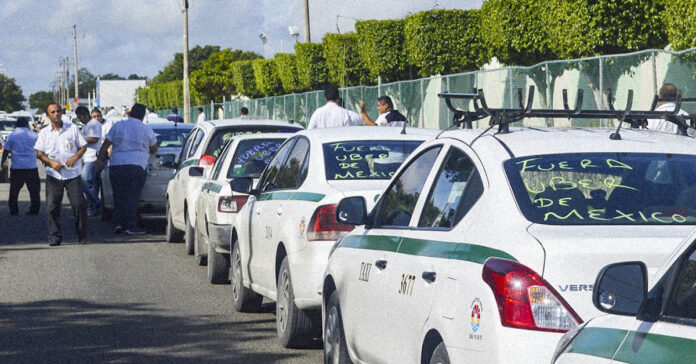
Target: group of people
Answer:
[[333, 114], [74, 159]]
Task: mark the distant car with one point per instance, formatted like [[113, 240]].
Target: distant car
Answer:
[[161, 168], [25, 115]]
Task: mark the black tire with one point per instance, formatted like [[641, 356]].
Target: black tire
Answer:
[[189, 234], [440, 355], [243, 299], [197, 251], [106, 213], [294, 326], [173, 234], [335, 348], [218, 266]]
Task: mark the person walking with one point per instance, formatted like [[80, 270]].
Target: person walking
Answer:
[[91, 131], [20, 145], [61, 146], [330, 115], [174, 116], [201, 116], [387, 115], [132, 142]]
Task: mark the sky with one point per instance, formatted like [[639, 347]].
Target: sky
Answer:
[[141, 36]]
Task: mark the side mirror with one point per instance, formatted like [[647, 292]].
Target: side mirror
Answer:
[[621, 288], [242, 185], [195, 172], [167, 160], [352, 211]]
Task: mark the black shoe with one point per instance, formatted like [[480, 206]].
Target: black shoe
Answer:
[[54, 243]]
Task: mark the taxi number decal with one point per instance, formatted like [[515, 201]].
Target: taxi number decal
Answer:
[[269, 232], [365, 271], [407, 282]]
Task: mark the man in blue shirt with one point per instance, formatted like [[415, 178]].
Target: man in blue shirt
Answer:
[[174, 116], [20, 144]]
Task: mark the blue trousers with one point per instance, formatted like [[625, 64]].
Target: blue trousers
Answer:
[[90, 186], [127, 183]]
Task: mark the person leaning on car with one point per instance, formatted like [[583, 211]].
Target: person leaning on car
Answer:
[[133, 142], [20, 144]]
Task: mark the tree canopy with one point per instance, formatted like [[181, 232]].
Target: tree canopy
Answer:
[[215, 78], [11, 97], [40, 99], [174, 70]]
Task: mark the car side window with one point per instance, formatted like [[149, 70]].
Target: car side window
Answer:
[[187, 145], [221, 161], [682, 303], [397, 204], [458, 184], [289, 175], [196, 143], [268, 179]]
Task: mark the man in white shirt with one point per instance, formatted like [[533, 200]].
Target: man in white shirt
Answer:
[[61, 146], [387, 115], [668, 93], [133, 142], [91, 131], [20, 144], [201, 116], [330, 115], [355, 119]]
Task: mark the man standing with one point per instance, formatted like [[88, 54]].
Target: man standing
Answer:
[[330, 115], [20, 143], [666, 99], [61, 146], [355, 119], [387, 115], [133, 142], [174, 116], [91, 131], [201, 116]]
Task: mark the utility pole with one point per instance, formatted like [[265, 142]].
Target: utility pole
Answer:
[[62, 82], [74, 34], [307, 38], [187, 112]]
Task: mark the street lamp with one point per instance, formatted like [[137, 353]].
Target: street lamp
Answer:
[[264, 39], [294, 32]]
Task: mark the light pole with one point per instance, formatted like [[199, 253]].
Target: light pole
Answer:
[[305, 4], [187, 101], [264, 39], [294, 32]]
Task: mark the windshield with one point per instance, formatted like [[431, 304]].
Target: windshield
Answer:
[[252, 156], [171, 137], [605, 188], [366, 159], [222, 135], [7, 125]]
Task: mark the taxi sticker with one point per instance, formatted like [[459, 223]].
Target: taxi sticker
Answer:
[[302, 226], [68, 146], [476, 309]]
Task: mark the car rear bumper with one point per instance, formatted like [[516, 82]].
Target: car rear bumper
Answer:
[[219, 236]]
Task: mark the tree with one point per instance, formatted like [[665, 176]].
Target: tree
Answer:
[[11, 97], [311, 65], [134, 76], [266, 76], [345, 68], [87, 82], [381, 48], [40, 99], [680, 29], [215, 78], [174, 70]]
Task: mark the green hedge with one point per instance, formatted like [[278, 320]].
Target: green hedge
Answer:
[[311, 65], [679, 18], [345, 68], [244, 79], [444, 41], [286, 65], [266, 75], [161, 95], [381, 49]]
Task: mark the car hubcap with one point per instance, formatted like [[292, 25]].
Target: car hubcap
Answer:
[[283, 300], [332, 338]]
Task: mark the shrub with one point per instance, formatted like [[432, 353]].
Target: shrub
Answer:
[[311, 65], [286, 65], [342, 60], [244, 79], [381, 49], [266, 76]]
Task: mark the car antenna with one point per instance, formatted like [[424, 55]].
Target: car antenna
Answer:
[[621, 117]]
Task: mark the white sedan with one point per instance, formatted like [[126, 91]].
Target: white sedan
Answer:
[[282, 236]]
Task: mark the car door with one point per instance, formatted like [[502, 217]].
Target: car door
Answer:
[[375, 264], [178, 192], [210, 192]]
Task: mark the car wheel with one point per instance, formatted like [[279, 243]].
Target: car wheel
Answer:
[[197, 251], [218, 266], [106, 213], [440, 355], [335, 348], [243, 299], [189, 235], [174, 235], [294, 326]]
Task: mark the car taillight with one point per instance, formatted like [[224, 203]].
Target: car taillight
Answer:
[[324, 226], [206, 160], [525, 300], [231, 203]]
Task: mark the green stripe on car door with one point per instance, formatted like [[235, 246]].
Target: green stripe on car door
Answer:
[[597, 341], [655, 348], [297, 196], [212, 186]]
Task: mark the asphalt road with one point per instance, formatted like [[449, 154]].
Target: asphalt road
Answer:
[[119, 299]]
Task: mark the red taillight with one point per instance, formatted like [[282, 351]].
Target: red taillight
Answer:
[[324, 226], [206, 160], [525, 300], [231, 203]]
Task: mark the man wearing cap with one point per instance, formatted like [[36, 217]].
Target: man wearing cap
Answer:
[[174, 116], [60, 146], [330, 115], [20, 144]]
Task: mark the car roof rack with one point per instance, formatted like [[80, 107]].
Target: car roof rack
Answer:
[[502, 117]]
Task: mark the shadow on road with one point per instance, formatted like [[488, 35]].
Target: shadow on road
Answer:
[[82, 331]]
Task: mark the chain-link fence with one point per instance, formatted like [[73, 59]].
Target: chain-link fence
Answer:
[[643, 72]]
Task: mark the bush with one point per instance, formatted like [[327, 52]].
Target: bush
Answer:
[[342, 60], [162, 95], [215, 79], [311, 65], [266, 75], [678, 19], [444, 41], [286, 65], [381, 49], [244, 79]]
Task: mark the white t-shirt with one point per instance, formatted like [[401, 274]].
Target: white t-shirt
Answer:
[[391, 118], [93, 129], [21, 144], [666, 125], [61, 145], [131, 141], [201, 118], [355, 119], [329, 116]]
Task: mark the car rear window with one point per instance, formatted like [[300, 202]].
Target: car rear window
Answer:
[[7, 125], [222, 135], [252, 156], [366, 159], [605, 188], [171, 137]]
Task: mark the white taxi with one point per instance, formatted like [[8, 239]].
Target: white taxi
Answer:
[[203, 146], [484, 247], [217, 205], [282, 236], [643, 326]]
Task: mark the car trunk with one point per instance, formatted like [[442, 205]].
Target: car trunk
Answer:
[[574, 255]]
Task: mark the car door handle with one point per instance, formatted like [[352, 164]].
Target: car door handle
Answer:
[[381, 264], [429, 276], [258, 212], [279, 211]]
